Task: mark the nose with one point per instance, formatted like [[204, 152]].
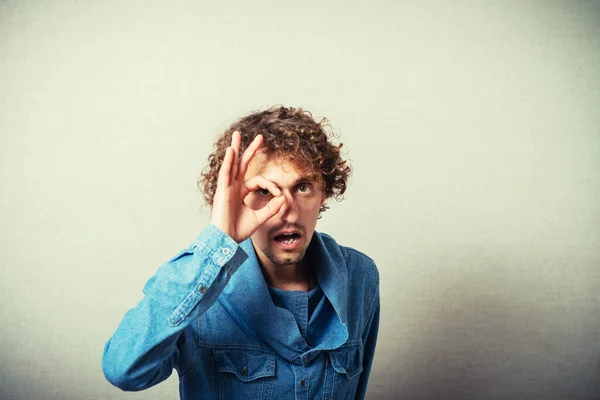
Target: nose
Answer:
[[289, 209]]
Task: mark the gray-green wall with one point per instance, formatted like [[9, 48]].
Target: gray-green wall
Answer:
[[473, 128]]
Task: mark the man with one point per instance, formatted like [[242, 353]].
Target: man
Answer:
[[259, 306]]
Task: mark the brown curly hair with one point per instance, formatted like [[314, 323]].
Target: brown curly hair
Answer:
[[289, 133]]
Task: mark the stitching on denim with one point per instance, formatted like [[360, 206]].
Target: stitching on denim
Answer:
[[352, 381], [262, 390], [262, 386], [234, 346], [248, 378], [356, 347], [175, 318], [271, 387], [336, 377], [183, 309], [201, 246], [221, 386], [354, 385], [208, 276], [195, 329], [350, 343], [356, 373], [368, 309], [325, 379], [267, 371]]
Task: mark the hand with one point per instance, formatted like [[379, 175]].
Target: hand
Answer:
[[229, 212]]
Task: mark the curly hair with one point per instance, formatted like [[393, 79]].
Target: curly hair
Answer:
[[291, 134]]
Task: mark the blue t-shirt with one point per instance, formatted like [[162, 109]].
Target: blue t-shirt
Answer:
[[302, 305]]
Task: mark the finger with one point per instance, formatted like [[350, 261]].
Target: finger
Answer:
[[235, 145], [249, 155], [259, 181], [225, 170], [270, 210]]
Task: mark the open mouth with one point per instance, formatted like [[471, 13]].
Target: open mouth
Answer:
[[288, 238]]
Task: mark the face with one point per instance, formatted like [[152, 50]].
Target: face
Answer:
[[298, 215]]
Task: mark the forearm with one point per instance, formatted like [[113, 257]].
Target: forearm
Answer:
[[143, 350]]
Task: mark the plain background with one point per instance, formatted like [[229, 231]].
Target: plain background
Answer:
[[474, 132]]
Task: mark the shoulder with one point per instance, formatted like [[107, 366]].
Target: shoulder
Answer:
[[358, 264], [359, 276]]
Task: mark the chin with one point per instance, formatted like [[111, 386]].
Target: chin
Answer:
[[285, 261]]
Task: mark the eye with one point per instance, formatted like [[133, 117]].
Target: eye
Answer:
[[304, 188], [262, 192]]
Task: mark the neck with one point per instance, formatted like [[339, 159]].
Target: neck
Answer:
[[298, 277]]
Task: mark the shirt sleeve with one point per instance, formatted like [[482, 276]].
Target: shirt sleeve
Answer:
[[370, 339], [143, 350]]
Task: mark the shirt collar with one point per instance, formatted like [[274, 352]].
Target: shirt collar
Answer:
[[247, 299]]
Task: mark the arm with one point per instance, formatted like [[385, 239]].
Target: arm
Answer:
[[369, 340], [143, 350]]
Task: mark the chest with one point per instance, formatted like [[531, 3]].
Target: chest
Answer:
[[257, 374], [234, 362]]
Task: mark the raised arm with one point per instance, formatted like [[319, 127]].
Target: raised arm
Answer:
[[143, 351]]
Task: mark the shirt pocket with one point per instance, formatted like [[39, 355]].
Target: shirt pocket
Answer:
[[244, 374], [347, 365]]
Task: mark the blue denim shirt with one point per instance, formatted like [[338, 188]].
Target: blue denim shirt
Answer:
[[208, 314]]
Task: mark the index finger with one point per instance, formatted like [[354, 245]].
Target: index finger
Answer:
[[235, 145], [249, 154]]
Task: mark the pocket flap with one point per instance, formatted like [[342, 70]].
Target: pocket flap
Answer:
[[347, 360], [247, 365]]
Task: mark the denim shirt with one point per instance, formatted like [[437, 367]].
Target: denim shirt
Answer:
[[302, 306], [208, 314]]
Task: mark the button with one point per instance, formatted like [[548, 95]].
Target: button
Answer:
[[226, 251], [302, 383], [202, 289], [245, 372]]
